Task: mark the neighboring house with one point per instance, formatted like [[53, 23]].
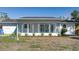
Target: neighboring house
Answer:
[[36, 26]]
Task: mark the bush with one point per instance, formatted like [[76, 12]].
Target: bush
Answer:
[[77, 31], [63, 31]]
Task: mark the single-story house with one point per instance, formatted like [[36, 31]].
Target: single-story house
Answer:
[[36, 26]]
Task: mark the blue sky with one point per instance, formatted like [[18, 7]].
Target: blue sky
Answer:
[[16, 12]]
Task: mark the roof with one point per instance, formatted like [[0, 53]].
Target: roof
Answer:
[[37, 19], [40, 18]]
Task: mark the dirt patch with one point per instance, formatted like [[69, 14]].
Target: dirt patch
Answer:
[[41, 44]]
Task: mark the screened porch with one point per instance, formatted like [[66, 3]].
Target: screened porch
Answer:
[[38, 29]]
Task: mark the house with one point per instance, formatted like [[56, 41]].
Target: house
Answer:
[[36, 26]]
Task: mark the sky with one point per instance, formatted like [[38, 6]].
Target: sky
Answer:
[[17, 12]]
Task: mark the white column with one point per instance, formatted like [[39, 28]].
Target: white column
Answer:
[[55, 27], [22, 27], [49, 28], [17, 33], [38, 28], [60, 28], [74, 29], [32, 28], [27, 28]]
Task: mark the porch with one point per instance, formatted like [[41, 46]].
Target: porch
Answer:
[[41, 29]]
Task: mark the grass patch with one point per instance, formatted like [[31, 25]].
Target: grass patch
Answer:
[[4, 46], [19, 49], [10, 39], [65, 47], [7, 39], [35, 45]]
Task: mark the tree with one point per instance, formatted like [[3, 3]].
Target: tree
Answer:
[[75, 17]]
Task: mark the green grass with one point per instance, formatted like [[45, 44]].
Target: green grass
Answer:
[[7, 39], [10, 39], [65, 47], [4, 35], [5, 46], [35, 46]]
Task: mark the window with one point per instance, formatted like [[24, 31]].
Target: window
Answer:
[[35, 28], [41, 27], [52, 27], [25, 25], [44, 28], [30, 28], [57, 27]]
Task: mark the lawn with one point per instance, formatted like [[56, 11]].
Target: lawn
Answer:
[[39, 44]]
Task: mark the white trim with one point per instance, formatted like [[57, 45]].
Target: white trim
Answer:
[[22, 34], [46, 34], [29, 34], [37, 34], [54, 34]]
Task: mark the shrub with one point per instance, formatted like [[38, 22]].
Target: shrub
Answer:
[[77, 31], [77, 28], [63, 31]]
